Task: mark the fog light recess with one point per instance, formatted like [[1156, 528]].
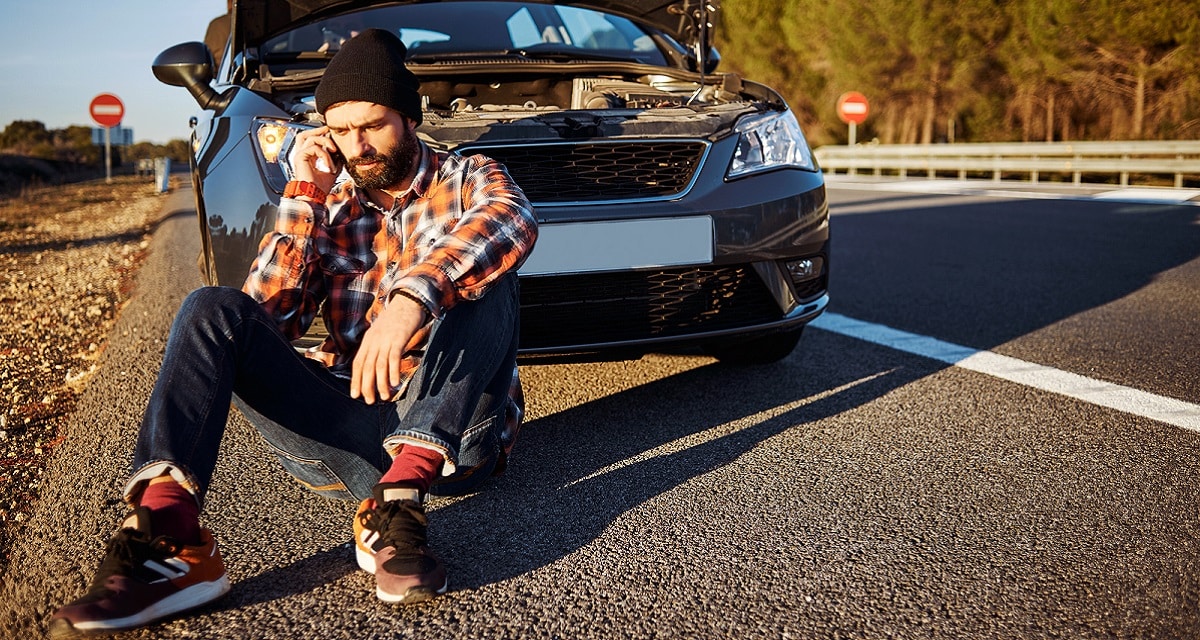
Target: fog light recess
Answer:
[[805, 269]]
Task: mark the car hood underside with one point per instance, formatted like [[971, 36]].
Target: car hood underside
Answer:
[[257, 20]]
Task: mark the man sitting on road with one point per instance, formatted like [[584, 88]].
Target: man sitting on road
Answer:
[[413, 265]]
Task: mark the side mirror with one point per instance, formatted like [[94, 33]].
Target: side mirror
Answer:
[[190, 65]]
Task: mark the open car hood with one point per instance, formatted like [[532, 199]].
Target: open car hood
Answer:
[[258, 20]]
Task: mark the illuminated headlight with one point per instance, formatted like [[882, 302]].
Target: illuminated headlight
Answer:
[[770, 141], [270, 140], [273, 142]]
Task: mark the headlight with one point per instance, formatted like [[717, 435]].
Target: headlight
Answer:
[[770, 141], [273, 143]]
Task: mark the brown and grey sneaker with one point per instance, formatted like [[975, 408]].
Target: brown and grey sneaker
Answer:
[[143, 578], [391, 542]]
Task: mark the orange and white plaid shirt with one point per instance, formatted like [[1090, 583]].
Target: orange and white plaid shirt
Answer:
[[462, 225]]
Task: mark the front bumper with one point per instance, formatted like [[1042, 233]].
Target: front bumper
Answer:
[[743, 290]]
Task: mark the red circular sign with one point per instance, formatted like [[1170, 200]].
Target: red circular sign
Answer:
[[107, 110], [852, 107]]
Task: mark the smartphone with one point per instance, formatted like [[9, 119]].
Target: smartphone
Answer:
[[339, 161]]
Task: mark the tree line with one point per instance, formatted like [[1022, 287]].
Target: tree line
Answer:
[[31, 154], [73, 145], [976, 70], [933, 70]]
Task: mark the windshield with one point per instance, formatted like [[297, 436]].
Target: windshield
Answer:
[[446, 29]]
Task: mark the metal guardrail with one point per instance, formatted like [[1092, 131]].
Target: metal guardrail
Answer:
[[1078, 159]]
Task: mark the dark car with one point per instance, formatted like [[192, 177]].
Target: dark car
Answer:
[[678, 207]]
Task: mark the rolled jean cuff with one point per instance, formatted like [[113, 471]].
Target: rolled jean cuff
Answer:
[[394, 442], [156, 468]]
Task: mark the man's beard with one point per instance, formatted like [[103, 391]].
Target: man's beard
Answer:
[[392, 165]]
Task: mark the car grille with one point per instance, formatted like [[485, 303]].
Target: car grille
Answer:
[[600, 172], [599, 308]]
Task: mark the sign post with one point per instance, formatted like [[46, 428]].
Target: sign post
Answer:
[[107, 111], [852, 108]]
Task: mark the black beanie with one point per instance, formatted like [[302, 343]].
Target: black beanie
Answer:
[[370, 68]]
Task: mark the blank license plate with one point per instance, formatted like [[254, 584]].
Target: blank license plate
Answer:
[[578, 247]]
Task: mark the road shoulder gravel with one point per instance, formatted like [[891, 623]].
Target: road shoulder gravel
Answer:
[[54, 552]]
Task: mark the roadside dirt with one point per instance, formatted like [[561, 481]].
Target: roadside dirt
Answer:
[[67, 259]]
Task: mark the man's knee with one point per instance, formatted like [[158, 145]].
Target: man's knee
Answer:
[[217, 297], [215, 302], [498, 309]]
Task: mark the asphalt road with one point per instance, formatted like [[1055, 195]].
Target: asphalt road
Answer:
[[855, 490]]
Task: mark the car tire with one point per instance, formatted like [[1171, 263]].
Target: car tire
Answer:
[[756, 351]]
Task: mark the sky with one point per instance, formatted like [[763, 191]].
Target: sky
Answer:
[[56, 55]]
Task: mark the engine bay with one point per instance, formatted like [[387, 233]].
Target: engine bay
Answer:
[[532, 107], [600, 92]]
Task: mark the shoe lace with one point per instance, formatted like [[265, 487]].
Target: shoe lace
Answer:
[[400, 523], [128, 549]]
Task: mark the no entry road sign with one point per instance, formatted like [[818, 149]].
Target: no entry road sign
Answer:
[[107, 110], [852, 107]]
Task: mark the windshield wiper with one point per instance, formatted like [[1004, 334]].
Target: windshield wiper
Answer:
[[456, 55], [573, 54], [527, 53]]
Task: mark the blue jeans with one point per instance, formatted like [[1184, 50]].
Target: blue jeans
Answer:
[[223, 347]]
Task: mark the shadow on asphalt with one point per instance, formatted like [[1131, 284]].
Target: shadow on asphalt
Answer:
[[577, 471], [302, 576]]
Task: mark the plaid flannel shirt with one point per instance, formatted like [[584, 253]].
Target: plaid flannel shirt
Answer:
[[462, 225]]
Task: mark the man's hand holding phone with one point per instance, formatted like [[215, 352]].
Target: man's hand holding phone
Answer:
[[316, 159]]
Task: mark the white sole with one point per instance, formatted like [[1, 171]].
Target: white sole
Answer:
[[412, 595], [366, 559], [194, 596]]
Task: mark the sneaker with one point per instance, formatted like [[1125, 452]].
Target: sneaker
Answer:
[[142, 579], [391, 543]]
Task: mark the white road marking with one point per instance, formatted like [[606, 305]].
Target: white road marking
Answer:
[[1054, 191], [1098, 392], [1150, 194]]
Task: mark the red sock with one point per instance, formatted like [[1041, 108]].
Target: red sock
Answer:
[[414, 467], [173, 511]]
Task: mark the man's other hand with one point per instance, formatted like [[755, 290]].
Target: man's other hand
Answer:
[[375, 373]]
